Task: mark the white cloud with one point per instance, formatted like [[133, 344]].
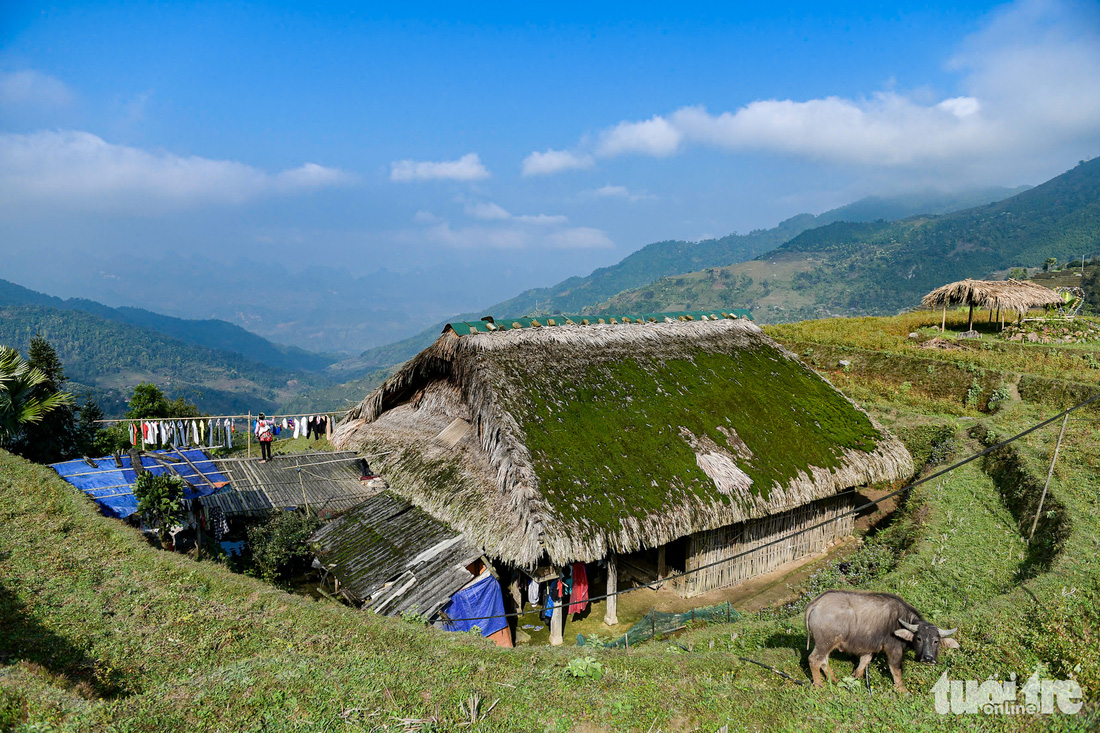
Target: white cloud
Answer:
[[1029, 83], [580, 238], [30, 88], [555, 161], [655, 136], [542, 219], [620, 192], [79, 170], [466, 168], [497, 229], [488, 211]]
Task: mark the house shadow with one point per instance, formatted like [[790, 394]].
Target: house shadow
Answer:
[[24, 639]]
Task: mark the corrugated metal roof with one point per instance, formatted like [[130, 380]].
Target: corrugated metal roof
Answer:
[[394, 557], [319, 481], [464, 328]]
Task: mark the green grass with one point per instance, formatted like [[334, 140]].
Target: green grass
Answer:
[[102, 632]]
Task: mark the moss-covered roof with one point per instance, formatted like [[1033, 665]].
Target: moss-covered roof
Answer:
[[614, 437]]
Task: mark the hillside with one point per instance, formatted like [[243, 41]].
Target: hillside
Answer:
[[882, 267], [673, 257], [106, 359], [102, 632], [211, 332]]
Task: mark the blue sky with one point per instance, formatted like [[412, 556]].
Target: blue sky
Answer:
[[508, 145]]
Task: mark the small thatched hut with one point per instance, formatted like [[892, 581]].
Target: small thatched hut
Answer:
[[998, 295], [554, 444]]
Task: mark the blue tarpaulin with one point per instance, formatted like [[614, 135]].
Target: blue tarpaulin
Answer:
[[480, 598], [113, 487]]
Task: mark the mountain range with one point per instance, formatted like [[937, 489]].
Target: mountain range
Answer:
[[881, 267], [675, 257], [871, 256]]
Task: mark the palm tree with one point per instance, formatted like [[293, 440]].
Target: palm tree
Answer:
[[20, 401]]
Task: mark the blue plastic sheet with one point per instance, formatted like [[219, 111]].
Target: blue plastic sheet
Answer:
[[481, 599], [113, 487]]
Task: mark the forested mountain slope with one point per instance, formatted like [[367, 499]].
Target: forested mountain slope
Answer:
[[107, 359], [212, 333], [673, 257], [881, 267]]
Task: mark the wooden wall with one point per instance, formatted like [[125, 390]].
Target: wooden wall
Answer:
[[707, 547]]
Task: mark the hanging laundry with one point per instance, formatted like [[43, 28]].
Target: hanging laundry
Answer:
[[534, 592], [578, 594], [228, 433], [297, 425]]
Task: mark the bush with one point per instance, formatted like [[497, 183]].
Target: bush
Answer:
[[278, 546], [160, 501]]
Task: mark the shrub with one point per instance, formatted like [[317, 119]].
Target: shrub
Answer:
[[278, 545], [160, 501]]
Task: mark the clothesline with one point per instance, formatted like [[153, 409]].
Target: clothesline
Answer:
[[225, 417]]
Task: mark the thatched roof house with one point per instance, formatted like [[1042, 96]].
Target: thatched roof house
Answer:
[[1018, 296], [574, 443]]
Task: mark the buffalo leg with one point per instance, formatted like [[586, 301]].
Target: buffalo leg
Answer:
[[818, 661], [864, 660], [894, 658]]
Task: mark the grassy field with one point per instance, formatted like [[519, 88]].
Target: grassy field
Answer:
[[101, 632]]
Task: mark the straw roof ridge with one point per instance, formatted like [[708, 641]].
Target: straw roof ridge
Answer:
[[510, 502]]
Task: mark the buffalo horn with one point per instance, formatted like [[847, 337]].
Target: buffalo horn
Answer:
[[911, 627], [948, 632]]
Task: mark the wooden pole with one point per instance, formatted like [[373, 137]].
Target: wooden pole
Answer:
[[662, 565], [248, 428], [971, 326], [1042, 498], [557, 620], [943, 326], [611, 614]]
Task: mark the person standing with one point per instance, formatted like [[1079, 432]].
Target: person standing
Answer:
[[265, 433]]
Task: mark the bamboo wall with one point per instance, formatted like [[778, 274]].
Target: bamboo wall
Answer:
[[711, 546]]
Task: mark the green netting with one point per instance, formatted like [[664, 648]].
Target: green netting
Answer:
[[660, 622]]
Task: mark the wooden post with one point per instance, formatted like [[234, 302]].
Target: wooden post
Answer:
[[1042, 498], [248, 427], [662, 565], [611, 614], [971, 326], [943, 326], [557, 621]]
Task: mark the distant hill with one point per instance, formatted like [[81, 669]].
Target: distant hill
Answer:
[[212, 333], [106, 359], [673, 257], [873, 268]]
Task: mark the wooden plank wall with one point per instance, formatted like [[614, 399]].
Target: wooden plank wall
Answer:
[[714, 545]]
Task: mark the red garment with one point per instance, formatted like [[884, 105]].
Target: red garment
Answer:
[[578, 597]]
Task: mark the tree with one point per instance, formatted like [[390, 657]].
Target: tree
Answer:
[[160, 501], [149, 402], [56, 436], [22, 403], [1051, 263]]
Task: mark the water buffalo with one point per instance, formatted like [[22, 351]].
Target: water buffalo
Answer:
[[864, 624]]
